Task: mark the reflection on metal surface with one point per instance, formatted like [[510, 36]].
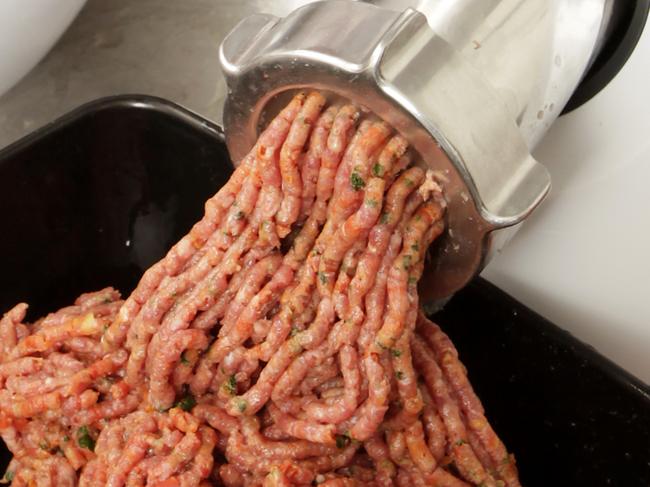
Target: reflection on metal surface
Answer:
[[532, 52]]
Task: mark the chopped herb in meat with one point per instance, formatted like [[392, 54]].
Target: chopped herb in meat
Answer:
[[322, 277], [241, 405], [342, 441], [231, 385], [381, 345], [356, 181], [84, 439], [186, 403]]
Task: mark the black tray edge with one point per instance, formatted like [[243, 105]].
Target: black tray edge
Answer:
[[146, 102], [583, 349]]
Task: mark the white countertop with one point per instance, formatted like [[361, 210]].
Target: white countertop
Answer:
[[582, 260]]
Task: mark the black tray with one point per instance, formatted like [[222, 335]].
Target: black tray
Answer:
[[96, 197]]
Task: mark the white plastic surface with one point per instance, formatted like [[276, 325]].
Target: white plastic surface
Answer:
[[583, 259], [28, 29]]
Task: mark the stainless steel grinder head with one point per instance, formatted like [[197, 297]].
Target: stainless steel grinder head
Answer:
[[393, 64]]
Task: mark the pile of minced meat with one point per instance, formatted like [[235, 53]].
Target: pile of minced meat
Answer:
[[279, 343]]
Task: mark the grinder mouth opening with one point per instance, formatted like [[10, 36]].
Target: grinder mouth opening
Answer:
[[455, 257]]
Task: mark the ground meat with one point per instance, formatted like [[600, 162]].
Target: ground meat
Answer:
[[278, 343]]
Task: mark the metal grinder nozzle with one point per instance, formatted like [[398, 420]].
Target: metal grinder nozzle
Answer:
[[397, 66]]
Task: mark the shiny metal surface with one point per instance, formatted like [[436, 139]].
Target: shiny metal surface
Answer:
[[532, 52]]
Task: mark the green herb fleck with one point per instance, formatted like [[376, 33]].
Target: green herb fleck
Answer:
[[342, 441], [407, 260], [413, 280], [323, 277], [66, 438], [400, 375], [294, 331], [408, 182], [241, 405], [395, 352], [187, 402], [231, 385], [372, 203], [356, 181], [9, 476], [84, 439], [43, 445], [381, 345], [184, 359], [415, 247], [418, 218], [239, 215], [378, 170], [383, 219], [460, 442]]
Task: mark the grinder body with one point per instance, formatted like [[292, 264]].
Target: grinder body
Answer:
[[472, 117]]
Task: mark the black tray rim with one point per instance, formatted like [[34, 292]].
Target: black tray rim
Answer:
[[136, 100], [562, 336]]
